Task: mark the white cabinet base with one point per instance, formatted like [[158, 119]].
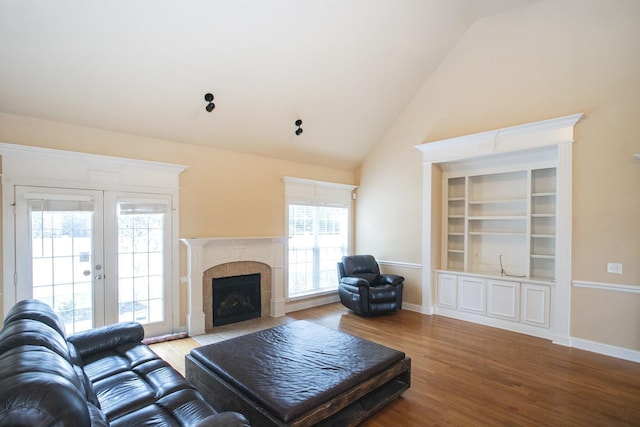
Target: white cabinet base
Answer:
[[507, 303]]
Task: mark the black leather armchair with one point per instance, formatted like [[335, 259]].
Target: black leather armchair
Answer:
[[365, 290]]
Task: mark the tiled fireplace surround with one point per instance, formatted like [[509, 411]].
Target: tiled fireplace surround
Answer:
[[209, 258]]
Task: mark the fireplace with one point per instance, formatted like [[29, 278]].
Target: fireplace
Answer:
[[236, 298], [209, 258]]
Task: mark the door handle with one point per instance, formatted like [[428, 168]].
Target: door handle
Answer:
[[98, 276]]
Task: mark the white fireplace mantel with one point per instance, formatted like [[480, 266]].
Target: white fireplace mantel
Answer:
[[204, 253]]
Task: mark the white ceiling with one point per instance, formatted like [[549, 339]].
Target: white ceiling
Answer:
[[347, 68]]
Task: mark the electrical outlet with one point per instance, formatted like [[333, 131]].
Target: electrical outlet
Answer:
[[614, 267]]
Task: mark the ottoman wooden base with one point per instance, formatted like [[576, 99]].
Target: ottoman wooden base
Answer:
[[344, 403]]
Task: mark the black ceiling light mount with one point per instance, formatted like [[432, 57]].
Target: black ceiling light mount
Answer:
[[209, 98], [299, 130]]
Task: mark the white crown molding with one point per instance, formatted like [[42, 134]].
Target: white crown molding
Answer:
[[515, 138], [44, 166]]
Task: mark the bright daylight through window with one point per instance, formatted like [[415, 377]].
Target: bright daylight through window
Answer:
[[318, 225], [140, 262], [318, 239]]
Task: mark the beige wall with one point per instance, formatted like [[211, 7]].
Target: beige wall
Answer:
[[551, 59], [222, 194], [547, 60]]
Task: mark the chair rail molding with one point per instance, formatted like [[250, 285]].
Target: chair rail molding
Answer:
[[551, 138]]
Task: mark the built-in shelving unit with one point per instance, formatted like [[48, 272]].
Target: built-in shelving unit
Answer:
[[504, 257], [501, 223]]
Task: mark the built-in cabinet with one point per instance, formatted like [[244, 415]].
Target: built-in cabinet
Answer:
[[508, 303], [499, 240], [501, 253]]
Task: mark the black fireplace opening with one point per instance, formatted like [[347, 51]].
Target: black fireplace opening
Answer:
[[236, 298]]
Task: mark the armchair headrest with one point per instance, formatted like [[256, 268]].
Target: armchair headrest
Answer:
[[360, 264]]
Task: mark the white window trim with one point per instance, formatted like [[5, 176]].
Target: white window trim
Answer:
[[318, 193]]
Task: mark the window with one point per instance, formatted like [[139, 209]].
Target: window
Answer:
[[318, 222]]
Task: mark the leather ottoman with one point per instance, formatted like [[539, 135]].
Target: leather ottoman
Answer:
[[299, 374]]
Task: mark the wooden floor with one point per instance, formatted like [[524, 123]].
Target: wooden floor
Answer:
[[470, 375]]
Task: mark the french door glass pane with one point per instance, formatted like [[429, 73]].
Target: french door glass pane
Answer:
[[140, 261], [61, 248]]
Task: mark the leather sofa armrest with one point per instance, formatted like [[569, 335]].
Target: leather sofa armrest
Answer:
[[354, 281], [392, 279], [106, 337], [224, 419]]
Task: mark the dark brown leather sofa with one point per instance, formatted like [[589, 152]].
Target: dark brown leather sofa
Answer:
[[105, 376]]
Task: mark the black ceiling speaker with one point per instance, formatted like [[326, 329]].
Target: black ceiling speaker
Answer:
[[209, 98], [299, 130]]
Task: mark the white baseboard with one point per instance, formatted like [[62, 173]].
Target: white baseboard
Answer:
[[417, 308], [606, 349], [311, 302]]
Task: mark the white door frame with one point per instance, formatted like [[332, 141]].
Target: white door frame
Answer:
[[35, 166]]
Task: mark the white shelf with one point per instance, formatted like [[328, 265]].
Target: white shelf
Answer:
[[496, 217], [501, 201], [497, 233], [543, 194]]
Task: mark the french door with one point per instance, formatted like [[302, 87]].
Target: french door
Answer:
[[97, 257]]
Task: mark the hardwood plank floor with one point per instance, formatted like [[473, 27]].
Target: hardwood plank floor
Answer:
[[469, 375]]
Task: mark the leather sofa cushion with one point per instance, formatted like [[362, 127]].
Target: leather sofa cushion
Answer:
[[36, 310], [134, 384], [35, 371], [21, 332]]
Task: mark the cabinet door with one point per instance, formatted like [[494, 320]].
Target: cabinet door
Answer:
[[447, 290], [535, 304], [503, 299], [471, 294]]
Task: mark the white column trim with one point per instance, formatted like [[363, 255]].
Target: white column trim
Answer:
[[561, 305]]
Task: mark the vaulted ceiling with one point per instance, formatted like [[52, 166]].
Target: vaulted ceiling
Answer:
[[347, 68]]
